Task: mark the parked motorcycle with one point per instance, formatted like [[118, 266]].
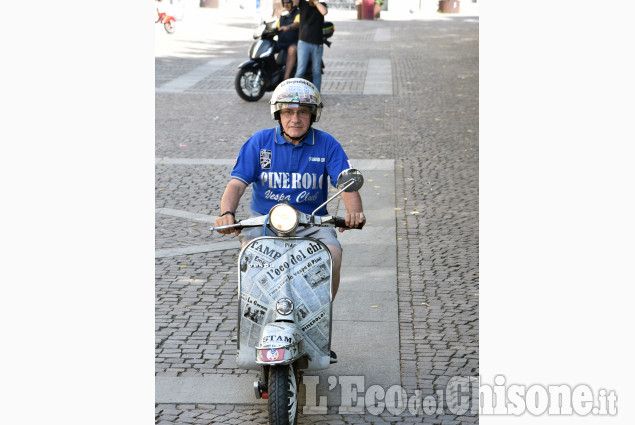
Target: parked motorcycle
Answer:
[[285, 302], [168, 12], [169, 23], [265, 68]]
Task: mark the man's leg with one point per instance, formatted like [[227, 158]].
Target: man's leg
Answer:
[[291, 54], [336, 255], [303, 58]]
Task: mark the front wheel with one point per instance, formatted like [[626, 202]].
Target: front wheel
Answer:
[[249, 85], [169, 27], [283, 395]]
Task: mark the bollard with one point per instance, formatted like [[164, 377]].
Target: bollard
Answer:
[[449, 6], [209, 3], [368, 9]]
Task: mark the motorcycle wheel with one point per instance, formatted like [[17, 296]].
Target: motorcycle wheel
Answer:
[[169, 27], [249, 86], [283, 395]]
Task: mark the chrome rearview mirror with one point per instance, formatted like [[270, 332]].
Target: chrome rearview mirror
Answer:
[[350, 180]]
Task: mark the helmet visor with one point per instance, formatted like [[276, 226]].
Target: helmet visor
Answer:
[[315, 111]]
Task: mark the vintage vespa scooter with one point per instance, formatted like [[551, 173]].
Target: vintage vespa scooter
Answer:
[[284, 303]]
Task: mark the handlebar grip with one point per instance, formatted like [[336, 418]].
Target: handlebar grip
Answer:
[[341, 222]]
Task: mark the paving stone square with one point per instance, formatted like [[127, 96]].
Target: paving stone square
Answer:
[[428, 126]]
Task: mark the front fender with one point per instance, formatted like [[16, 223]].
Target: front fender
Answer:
[[248, 64], [279, 343]]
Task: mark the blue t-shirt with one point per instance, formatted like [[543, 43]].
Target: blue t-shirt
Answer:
[[281, 172]]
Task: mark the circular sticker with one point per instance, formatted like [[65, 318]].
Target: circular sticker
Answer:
[[272, 354]]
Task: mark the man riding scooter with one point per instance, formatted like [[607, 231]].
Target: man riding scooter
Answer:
[[289, 26], [289, 264], [303, 159]]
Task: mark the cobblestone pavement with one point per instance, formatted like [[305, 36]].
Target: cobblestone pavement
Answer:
[[429, 126]]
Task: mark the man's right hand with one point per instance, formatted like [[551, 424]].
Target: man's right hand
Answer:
[[226, 220]]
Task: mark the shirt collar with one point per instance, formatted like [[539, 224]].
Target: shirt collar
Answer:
[[310, 139]]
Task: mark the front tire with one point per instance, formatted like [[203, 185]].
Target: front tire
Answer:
[[249, 85], [169, 27], [283, 395]]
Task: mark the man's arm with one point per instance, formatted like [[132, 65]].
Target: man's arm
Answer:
[[353, 203], [320, 6], [296, 23], [229, 202], [294, 26]]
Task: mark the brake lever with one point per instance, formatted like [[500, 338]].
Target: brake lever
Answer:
[[236, 225], [241, 224]]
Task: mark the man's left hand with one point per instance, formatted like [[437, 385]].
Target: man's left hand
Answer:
[[353, 220]]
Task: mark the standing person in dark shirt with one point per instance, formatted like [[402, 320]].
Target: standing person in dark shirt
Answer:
[[289, 25], [310, 45]]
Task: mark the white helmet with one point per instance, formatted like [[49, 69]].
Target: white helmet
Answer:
[[293, 93]]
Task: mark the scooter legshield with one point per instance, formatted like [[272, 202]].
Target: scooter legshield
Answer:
[[262, 49], [272, 268]]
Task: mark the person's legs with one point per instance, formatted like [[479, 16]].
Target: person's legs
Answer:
[[316, 63], [303, 58], [283, 54], [336, 255], [291, 55]]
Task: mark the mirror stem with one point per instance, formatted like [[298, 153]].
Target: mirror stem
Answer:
[[349, 183]]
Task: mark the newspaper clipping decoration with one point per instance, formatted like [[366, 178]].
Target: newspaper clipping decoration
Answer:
[[271, 268]]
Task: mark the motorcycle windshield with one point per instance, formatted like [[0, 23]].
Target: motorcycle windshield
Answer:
[[295, 268]]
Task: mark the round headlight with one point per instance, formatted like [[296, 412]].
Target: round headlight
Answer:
[[284, 306], [283, 218]]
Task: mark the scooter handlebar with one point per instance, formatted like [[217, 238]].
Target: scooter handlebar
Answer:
[[326, 221], [241, 224], [341, 222], [228, 226]]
